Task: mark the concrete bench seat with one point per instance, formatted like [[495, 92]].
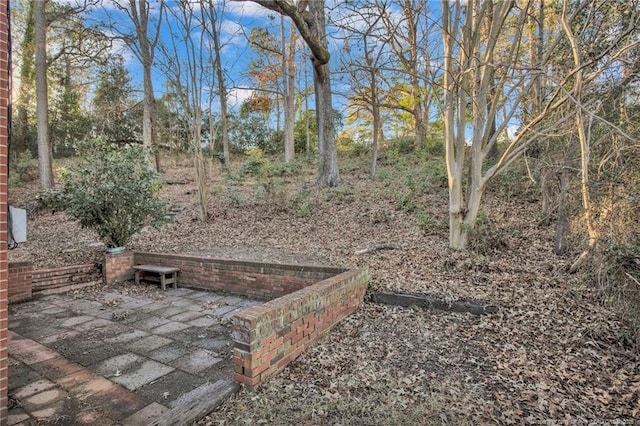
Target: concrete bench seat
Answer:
[[167, 274]]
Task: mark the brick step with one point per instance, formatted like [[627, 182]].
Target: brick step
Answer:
[[75, 269], [35, 279], [65, 288]]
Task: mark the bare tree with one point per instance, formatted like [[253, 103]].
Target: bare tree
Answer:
[[213, 28], [471, 33], [184, 64], [289, 92], [409, 32], [309, 18], [363, 26], [479, 36], [143, 45]]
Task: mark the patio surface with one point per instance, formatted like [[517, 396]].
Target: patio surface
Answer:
[[158, 357]]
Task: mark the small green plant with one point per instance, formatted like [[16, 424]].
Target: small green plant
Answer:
[[405, 202], [111, 191], [277, 194], [282, 169], [425, 220], [236, 197], [303, 206], [392, 155]]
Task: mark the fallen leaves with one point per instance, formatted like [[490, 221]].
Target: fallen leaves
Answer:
[[552, 354]]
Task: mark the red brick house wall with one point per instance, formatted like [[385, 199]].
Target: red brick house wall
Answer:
[[5, 87]]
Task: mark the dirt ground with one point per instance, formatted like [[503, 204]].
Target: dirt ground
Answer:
[[552, 354]]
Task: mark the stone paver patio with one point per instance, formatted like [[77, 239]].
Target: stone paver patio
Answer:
[[147, 358]]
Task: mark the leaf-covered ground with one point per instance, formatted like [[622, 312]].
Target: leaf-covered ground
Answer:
[[552, 354]]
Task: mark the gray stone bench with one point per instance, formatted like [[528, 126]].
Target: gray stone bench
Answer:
[[168, 275]]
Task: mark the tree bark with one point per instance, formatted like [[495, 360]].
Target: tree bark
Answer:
[[328, 170], [222, 87], [42, 97], [139, 13], [289, 69], [375, 110]]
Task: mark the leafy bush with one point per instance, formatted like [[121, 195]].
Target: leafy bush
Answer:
[[403, 145], [253, 166], [282, 169], [111, 191]]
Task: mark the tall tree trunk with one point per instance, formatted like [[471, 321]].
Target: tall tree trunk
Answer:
[[328, 171], [139, 13], [310, 21], [375, 110], [147, 114], [563, 222], [42, 97], [416, 90], [20, 137], [289, 69], [307, 124], [200, 167], [583, 138], [222, 87]]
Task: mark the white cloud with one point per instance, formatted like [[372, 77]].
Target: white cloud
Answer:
[[246, 9], [236, 97]]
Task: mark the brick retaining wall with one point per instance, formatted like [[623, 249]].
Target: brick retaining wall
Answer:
[[256, 279], [304, 302], [270, 336], [20, 276], [24, 282]]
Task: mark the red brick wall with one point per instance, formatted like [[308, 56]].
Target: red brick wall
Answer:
[[262, 280], [20, 284], [117, 267], [270, 336], [5, 87], [305, 301]]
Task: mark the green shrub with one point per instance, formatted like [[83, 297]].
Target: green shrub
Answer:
[[111, 191], [404, 145], [303, 206], [254, 166], [282, 169]]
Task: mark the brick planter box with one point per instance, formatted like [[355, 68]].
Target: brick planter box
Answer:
[[303, 302]]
